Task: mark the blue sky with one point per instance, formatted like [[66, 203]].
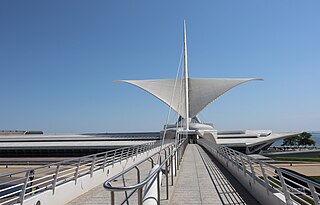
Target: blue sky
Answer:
[[58, 60]]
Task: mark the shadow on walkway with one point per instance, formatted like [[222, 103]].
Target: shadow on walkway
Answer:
[[228, 187]]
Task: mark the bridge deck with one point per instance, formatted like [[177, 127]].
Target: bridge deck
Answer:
[[201, 180], [194, 185]]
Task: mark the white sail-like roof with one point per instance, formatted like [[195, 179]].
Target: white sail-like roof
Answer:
[[164, 90], [202, 91]]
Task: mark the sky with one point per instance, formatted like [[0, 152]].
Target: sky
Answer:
[[58, 61]]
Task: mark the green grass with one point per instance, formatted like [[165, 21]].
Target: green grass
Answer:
[[315, 178], [299, 159], [312, 178]]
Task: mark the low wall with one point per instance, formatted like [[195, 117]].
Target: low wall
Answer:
[[254, 187]]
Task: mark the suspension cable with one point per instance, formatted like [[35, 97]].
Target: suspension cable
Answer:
[[170, 106]]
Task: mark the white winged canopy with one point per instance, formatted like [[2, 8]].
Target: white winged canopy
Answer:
[[202, 91]]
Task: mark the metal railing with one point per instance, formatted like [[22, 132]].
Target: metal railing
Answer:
[[296, 189], [169, 165], [15, 187]]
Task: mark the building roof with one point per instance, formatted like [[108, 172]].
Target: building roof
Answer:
[[202, 91]]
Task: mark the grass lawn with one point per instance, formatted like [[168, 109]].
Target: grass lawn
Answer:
[[300, 159], [315, 178], [312, 178]]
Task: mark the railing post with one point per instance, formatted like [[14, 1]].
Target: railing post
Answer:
[[121, 155], [171, 168], [178, 160], [175, 162], [284, 188], [104, 161], [233, 156], [112, 198], [151, 161], [244, 169], [138, 174], [167, 180], [237, 159], [128, 152], [314, 194], [158, 187], [266, 181], [24, 187], [55, 178], [140, 196], [114, 158], [253, 174], [77, 171], [136, 150], [92, 165], [230, 154]]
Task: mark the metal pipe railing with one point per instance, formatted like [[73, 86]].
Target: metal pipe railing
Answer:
[[296, 189], [166, 166], [18, 185]]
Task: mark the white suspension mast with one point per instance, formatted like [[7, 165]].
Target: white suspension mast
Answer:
[[186, 75]]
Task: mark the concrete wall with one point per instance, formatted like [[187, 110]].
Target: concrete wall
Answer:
[[256, 188], [71, 190]]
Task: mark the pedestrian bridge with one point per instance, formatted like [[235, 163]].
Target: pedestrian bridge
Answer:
[[180, 174]]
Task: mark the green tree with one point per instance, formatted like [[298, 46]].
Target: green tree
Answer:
[[305, 139], [292, 141]]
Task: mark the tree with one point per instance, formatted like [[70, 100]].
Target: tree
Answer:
[[292, 141], [303, 139]]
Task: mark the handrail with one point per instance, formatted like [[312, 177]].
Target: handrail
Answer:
[[140, 185], [272, 177], [107, 185], [18, 185], [70, 160]]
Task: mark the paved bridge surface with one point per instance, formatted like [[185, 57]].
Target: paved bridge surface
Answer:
[[200, 180]]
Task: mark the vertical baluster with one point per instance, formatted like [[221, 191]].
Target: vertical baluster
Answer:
[[178, 150], [314, 194], [166, 170], [284, 188], [55, 178], [140, 196], [24, 187], [171, 165], [266, 181], [243, 165], [112, 198], [77, 170], [104, 161], [114, 157], [92, 165], [121, 155], [253, 174], [158, 187]]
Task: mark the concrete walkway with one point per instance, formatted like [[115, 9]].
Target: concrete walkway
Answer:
[[194, 185], [228, 187], [201, 180]]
